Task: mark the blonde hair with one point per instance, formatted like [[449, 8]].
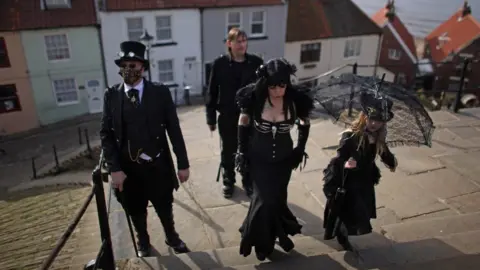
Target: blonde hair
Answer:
[[233, 35], [358, 130]]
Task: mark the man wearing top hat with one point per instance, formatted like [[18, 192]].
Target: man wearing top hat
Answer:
[[137, 115]]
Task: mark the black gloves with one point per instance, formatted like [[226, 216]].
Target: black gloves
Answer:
[[299, 155], [240, 156]]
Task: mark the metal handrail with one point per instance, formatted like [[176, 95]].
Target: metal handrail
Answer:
[[66, 235], [104, 259]]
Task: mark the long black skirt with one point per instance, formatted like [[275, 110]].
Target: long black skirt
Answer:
[[268, 217]]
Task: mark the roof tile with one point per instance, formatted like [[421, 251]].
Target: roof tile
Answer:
[[456, 33], [28, 15]]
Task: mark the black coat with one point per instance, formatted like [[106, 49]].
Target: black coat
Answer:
[[360, 204], [221, 88], [161, 116]]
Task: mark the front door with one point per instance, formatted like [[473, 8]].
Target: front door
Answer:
[[95, 96], [190, 73]]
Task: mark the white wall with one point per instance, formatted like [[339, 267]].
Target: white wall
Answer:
[[185, 32], [332, 56]]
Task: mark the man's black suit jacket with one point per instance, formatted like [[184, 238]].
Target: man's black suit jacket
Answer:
[[161, 116]]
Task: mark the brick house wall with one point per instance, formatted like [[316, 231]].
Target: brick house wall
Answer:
[[404, 65]]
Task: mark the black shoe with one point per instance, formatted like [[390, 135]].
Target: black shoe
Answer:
[[228, 191], [179, 247], [287, 244], [144, 250]]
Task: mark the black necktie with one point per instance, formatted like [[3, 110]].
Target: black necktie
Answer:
[[133, 96]]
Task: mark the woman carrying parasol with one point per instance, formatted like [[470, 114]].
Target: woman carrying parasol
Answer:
[[351, 175]]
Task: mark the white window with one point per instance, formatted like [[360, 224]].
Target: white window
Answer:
[[401, 78], [164, 28], [52, 4], [65, 91], [134, 28], [352, 48], [234, 19], [165, 71], [394, 54], [56, 47], [258, 23]]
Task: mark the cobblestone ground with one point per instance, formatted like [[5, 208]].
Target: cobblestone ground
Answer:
[[34, 220]]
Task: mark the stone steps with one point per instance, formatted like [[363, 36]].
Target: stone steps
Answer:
[[312, 252]]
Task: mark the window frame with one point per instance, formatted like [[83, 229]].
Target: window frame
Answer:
[[401, 78], [160, 73], [314, 60], [6, 63], [46, 6], [129, 30], [264, 24], [170, 28], [67, 47], [54, 90], [227, 20], [16, 97], [394, 54], [350, 43]]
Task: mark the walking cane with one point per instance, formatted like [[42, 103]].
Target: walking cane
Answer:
[[220, 165], [129, 222]]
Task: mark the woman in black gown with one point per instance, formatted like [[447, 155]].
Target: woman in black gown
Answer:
[[354, 170], [269, 110]]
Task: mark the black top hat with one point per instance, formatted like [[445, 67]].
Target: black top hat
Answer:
[[132, 51], [377, 107]]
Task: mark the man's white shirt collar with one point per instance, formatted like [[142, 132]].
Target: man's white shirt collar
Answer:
[[139, 87]]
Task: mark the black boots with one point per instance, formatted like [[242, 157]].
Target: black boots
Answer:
[[228, 190], [172, 238], [342, 238]]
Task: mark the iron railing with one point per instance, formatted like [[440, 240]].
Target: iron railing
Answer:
[[104, 259]]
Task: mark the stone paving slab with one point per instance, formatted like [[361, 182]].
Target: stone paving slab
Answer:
[[466, 164], [405, 197], [425, 229], [468, 203], [445, 183]]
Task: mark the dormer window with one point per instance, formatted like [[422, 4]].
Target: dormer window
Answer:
[[442, 40], [55, 4]]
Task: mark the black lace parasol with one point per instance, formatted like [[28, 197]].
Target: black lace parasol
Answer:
[[341, 98]]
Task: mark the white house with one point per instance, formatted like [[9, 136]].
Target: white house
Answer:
[[326, 37], [175, 51]]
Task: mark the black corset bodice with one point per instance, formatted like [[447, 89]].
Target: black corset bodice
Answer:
[[271, 141]]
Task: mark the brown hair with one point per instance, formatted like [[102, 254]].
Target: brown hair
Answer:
[[358, 129], [234, 34]]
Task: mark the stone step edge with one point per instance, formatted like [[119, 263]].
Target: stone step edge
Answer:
[[426, 228], [309, 246], [465, 261]]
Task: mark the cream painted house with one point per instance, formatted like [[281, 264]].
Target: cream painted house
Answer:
[[341, 36]]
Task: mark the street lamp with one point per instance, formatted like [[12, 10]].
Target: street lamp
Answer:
[[146, 39]]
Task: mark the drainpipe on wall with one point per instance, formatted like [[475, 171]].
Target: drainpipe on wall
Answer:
[[377, 59], [202, 52], [100, 42]]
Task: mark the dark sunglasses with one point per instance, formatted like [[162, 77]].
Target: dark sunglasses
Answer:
[[130, 66]]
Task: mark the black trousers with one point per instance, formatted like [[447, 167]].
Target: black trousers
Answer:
[[149, 182], [228, 130]]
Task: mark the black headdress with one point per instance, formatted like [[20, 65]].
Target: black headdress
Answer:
[[276, 72], [132, 51], [377, 107]]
